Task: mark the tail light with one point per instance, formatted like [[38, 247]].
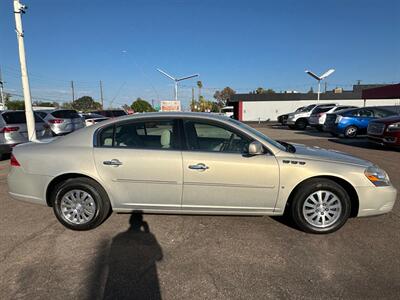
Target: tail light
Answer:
[[56, 121], [14, 162], [9, 129]]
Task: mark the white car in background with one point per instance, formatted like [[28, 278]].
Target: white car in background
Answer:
[[91, 118], [299, 120], [318, 116]]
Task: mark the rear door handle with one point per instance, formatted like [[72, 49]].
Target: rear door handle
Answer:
[[200, 167], [113, 162]]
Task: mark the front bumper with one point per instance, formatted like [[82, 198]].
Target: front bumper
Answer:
[[389, 140], [375, 200]]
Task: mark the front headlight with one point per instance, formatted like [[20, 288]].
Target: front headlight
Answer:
[[377, 176], [393, 127]]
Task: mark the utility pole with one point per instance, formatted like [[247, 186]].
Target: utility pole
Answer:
[[101, 95], [30, 119], [1, 92], [73, 92]]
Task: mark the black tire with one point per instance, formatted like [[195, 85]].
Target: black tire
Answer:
[[292, 126], [307, 189], [350, 131], [95, 190], [319, 128], [301, 124]]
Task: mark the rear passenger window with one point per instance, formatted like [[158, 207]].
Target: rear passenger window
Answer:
[[141, 135], [106, 137]]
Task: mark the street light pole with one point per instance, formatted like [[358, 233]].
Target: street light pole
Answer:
[[3, 105], [30, 119], [319, 90], [319, 78]]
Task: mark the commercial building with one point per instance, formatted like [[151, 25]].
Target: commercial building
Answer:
[[267, 107]]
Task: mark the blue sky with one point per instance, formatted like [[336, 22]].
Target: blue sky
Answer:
[[242, 44]]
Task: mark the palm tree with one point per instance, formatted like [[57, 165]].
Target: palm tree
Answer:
[[199, 85]]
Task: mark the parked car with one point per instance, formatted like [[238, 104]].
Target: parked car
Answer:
[[283, 118], [111, 113], [91, 119], [318, 116], [353, 122], [299, 120], [385, 131], [63, 121], [13, 129], [193, 163]]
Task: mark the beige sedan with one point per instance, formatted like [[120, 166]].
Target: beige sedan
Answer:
[[192, 163]]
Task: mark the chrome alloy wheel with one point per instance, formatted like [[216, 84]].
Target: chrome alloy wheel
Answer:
[[322, 209], [78, 207]]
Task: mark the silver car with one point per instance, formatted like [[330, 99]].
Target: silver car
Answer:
[[193, 163], [13, 129], [63, 121]]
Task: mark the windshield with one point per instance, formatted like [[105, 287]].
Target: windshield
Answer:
[[308, 108], [259, 134]]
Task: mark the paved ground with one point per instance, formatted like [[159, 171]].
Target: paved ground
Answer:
[[201, 257]]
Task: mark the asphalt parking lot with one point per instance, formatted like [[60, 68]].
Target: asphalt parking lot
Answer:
[[202, 257]]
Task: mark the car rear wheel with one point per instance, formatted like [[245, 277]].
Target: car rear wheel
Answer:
[[80, 203], [350, 131], [301, 124], [320, 206]]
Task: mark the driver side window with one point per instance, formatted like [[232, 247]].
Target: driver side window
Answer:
[[213, 138]]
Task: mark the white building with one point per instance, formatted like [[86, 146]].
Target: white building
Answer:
[[267, 107]]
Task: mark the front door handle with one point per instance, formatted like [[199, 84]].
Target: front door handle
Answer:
[[113, 162], [200, 167]]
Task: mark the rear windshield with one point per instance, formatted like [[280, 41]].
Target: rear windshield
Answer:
[[118, 113], [18, 117], [65, 114], [110, 113]]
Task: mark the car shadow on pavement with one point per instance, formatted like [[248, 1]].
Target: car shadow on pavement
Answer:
[[129, 266], [362, 143]]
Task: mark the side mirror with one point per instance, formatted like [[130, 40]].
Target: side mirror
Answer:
[[255, 148]]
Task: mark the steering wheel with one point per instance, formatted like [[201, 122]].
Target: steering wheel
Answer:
[[228, 143]]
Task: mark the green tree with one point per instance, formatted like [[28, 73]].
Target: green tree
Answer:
[[141, 105], [200, 86], [67, 105], [15, 104], [46, 103], [86, 103], [223, 96]]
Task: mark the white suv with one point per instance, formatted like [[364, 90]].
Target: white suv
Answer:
[[299, 120]]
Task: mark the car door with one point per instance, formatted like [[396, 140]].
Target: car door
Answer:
[[364, 116], [140, 163], [220, 177]]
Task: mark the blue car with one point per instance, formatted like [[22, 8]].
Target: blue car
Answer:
[[353, 122]]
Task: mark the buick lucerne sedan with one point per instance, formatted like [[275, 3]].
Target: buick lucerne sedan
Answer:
[[193, 163]]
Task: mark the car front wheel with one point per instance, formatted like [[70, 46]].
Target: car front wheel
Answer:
[[80, 203], [320, 206]]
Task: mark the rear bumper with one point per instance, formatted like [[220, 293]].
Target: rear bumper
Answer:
[[375, 200], [27, 187]]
